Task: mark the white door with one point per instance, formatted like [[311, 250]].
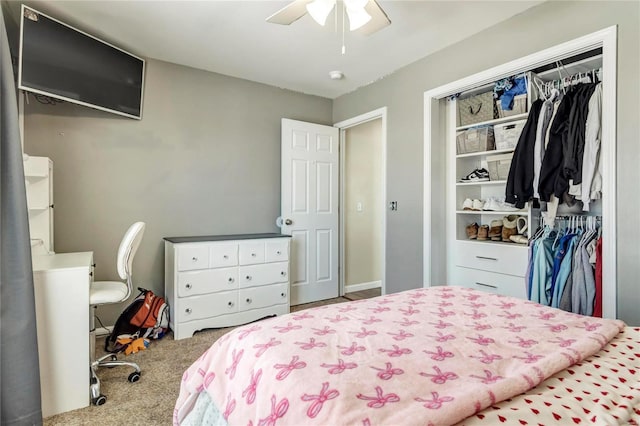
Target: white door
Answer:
[[309, 208]]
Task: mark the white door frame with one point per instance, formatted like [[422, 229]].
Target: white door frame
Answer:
[[607, 40], [343, 126]]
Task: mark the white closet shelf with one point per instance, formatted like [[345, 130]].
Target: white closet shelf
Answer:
[[511, 244], [493, 212], [490, 152], [486, 182], [494, 121]]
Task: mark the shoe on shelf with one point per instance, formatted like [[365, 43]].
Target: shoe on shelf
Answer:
[[467, 204], [478, 175], [472, 231], [520, 239], [509, 227], [495, 230], [489, 205], [500, 205], [483, 233], [477, 205]]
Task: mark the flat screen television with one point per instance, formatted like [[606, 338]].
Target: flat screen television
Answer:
[[60, 61]]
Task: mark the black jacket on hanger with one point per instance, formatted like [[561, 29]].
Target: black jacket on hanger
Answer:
[[552, 178], [576, 133], [519, 188]]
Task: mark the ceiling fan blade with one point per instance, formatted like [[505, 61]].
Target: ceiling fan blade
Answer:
[[379, 19], [290, 13]]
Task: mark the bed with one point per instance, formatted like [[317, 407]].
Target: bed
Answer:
[[437, 356]]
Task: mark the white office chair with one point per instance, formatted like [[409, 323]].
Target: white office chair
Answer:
[[106, 292]]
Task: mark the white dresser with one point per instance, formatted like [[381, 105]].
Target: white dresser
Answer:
[[492, 267], [225, 280]]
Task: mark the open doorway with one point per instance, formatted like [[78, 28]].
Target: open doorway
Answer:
[[363, 205]]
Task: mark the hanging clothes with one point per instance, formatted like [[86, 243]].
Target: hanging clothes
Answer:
[[597, 308], [562, 270], [584, 286], [591, 187], [574, 148], [519, 188], [562, 266], [546, 114], [543, 268]]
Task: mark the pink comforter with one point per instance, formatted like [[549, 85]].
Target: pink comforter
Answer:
[[428, 356]]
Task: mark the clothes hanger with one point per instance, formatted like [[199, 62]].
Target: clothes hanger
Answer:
[[539, 85]]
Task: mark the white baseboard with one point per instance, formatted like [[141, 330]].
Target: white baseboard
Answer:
[[104, 331], [362, 286]]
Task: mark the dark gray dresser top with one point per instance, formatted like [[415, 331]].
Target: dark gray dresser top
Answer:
[[199, 239]]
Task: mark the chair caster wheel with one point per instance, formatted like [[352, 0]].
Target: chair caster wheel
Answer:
[[134, 377], [112, 358], [100, 400]]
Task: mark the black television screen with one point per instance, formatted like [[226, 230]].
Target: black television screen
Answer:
[[60, 61]]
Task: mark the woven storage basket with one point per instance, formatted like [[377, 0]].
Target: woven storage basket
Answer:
[[507, 134], [475, 139], [476, 108], [499, 166], [519, 106]]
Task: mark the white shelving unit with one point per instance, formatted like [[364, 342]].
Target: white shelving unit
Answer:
[[39, 185], [493, 266]]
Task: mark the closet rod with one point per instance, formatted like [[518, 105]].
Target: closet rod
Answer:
[[576, 215]]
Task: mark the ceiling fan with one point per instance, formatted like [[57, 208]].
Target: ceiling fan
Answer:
[[364, 15]]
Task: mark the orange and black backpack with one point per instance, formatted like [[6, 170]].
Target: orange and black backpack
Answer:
[[146, 316]]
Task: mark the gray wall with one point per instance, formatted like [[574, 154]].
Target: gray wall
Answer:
[[541, 27], [205, 159]]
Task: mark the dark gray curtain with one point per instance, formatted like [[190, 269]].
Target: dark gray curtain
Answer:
[[20, 374]]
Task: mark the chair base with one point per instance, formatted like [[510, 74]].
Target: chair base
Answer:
[[109, 360]]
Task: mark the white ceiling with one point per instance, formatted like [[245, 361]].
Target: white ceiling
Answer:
[[232, 37]]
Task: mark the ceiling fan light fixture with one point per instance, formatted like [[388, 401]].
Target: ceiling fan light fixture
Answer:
[[320, 9]]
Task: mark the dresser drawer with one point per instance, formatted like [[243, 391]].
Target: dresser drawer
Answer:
[[277, 251], [261, 297], [251, 253], [222, 255], [193, 257], [492, 282], [502, 258], [257, 275], [207, 281], [210, 305]]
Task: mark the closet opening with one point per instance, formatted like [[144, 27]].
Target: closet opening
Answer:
[[477, 138]]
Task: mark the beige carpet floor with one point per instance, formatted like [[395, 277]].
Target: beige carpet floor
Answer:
[[151, 400]]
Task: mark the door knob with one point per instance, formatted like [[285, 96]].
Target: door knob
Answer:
[[288, 222]]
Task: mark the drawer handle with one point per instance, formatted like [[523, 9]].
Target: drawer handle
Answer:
[[225, 257], [248, 300], [486, 258], [188, 310], [283, 273], [486, 285], [230, 304], [195, 259], [278, 252], [230, 279], [248, 277], [188, 286], [253, 255], [283, 294]]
